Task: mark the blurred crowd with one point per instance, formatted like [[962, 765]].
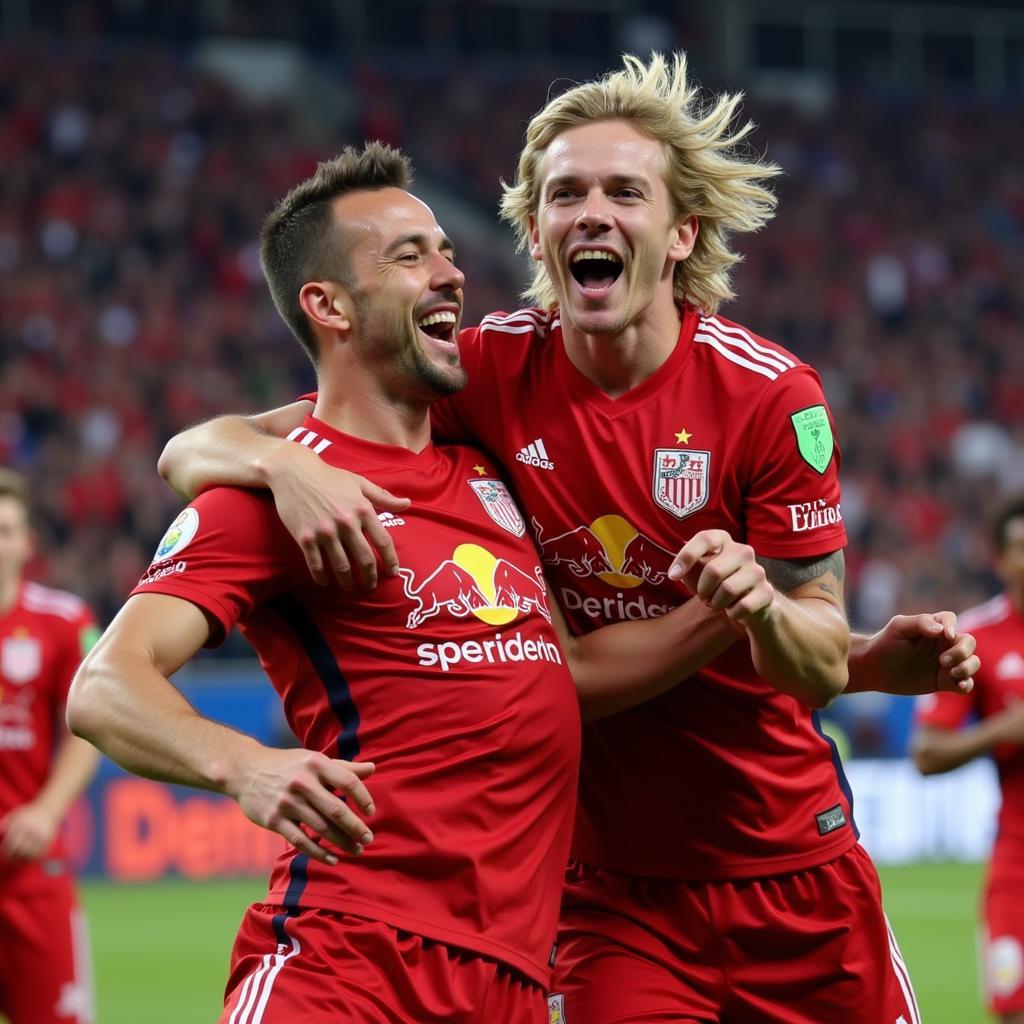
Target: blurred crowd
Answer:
[[132, 304]]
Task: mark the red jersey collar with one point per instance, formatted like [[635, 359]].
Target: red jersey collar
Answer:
[[585, 388]]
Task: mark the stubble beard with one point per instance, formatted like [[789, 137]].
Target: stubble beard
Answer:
[[413, 375]]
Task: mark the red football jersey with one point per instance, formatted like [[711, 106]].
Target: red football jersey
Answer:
[[723, 777], [42, 639], [999, 630], [448, 676]]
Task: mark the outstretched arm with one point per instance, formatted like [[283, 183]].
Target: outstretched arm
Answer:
[[330, 513], [914, 654], [122, 700], [936, 750]]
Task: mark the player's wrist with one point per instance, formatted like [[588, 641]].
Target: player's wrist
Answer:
[[276, 460], [49, 810], [229, 769]]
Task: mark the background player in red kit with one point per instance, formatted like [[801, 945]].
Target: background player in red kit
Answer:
[[952, 731], [449, 676], [633, 421], [45, 968]]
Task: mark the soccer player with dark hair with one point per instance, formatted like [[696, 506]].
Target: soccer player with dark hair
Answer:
[[447, 683], [952, 731], [658, 449], [45, 967]]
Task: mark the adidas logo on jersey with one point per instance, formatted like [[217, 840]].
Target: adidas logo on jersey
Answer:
[[387, 520], [535, 454]]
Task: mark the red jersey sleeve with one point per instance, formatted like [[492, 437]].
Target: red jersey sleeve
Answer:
[[447, 424], [226, 553], [945, 710], [793, 499]]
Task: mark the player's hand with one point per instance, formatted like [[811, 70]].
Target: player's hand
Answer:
[[725, 575], [28, 832], [332, 515], [290, 791], [915, 654]]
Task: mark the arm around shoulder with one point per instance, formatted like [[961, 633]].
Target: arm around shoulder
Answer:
[[229, 450]]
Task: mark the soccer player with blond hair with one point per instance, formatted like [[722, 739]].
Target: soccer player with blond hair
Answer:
[[661, 451]]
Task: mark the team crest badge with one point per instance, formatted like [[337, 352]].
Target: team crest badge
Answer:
[[814, 437], [682, 480], [499, 505], [21, 658], [556, 1008]]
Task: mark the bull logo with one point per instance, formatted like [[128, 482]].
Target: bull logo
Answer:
[[578, 550], [610, 548], [474, 582]]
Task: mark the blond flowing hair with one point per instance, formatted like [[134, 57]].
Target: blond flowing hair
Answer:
[[710, 172]]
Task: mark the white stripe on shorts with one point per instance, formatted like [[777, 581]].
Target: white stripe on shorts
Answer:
[[902, 975], [252, 1003]]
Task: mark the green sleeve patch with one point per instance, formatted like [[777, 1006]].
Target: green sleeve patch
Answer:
[[87, 638], [814, 437]]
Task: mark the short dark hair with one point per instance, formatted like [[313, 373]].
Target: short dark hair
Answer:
[[300, 242], [14, 485], [1012, 510]]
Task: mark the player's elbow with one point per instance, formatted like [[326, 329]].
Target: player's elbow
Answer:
[[85, 709], [171, 466], [825, 690], [825, 679]]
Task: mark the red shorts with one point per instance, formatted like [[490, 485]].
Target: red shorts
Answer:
[[1003, 946], [45, 966], [317, 966], [813, 947]]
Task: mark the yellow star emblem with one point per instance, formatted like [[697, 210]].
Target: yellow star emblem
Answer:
[[481, 470], [683, 436]]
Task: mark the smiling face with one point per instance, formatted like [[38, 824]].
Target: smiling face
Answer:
[[605, 226], [405, 293]]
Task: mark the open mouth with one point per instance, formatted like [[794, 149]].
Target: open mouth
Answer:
[[439, 325], [595, 269]]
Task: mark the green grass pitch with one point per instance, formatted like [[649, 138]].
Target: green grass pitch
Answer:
[[161, 950]]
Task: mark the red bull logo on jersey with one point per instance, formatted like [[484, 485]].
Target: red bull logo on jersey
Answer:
[[610, 548], [615, 552], [681, 480], [474, 582]]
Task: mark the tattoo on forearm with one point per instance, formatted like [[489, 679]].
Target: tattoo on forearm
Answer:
[[787, 574]]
